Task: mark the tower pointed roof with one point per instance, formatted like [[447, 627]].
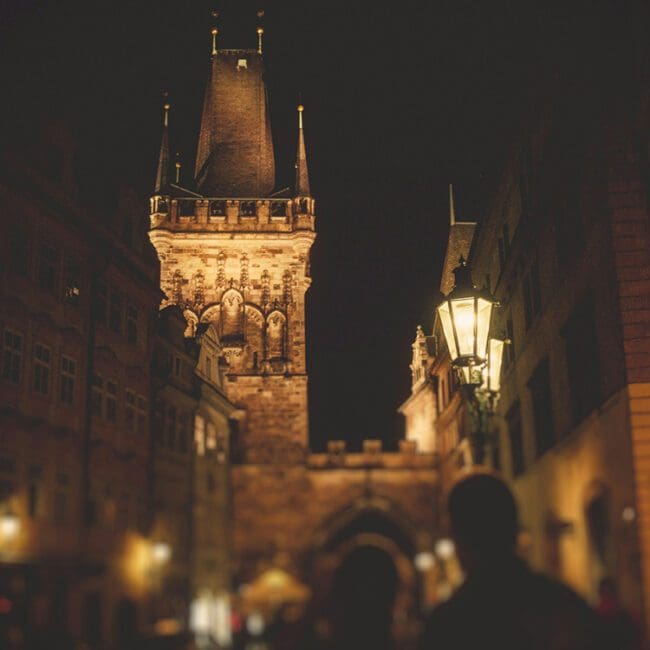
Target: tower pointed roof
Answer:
[[235, 149], [302, 173], [162, 173]]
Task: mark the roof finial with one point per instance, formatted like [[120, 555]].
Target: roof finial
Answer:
[[214, 31], [162, 173], [452, 211], [260, 31], [302, 174], [177, 164]]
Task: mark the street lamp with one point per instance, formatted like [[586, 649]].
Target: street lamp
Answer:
[[465, 315]]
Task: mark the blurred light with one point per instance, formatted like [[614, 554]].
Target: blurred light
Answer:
[[424, 561], [200, 615], [161, 552], [445, 548], [222, 619], [9, 525], [628, 514], [167, 627], [255, 624]]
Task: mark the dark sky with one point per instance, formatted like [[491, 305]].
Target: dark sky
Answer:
[[400, 98]]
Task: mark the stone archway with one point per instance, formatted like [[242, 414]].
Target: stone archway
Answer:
[[366, 547]]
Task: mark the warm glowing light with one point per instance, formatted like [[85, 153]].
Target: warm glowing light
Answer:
[[424, 561], [493, 371], [161, 552], [628, 514], [255, 624], [445, 548], [9, 525]]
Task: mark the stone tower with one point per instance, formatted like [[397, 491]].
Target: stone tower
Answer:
[[234, 251]]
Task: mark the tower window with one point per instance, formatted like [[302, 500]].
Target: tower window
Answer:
[[242, 64], [186, 208], [278, 208], [42, 358], [247, 209], [12, 359], [217, 208]]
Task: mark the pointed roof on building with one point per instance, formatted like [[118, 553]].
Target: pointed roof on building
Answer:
[[235, 149], [163, 171], [459, 242], [302, 172]]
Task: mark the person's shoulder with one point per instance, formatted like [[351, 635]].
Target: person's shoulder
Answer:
[[548, 590], [443, 622]]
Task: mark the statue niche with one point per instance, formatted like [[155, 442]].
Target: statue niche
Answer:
[[254, 327], [232, 318], [275, 340]]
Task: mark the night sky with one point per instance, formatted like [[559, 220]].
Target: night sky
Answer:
[[400, 100]]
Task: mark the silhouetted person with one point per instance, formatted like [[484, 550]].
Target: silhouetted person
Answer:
[[620, 630], [502, 604]]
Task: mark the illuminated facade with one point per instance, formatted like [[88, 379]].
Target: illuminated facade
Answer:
[[564, 249]]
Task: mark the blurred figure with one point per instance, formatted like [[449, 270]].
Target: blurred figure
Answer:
[[502, 603], [620, 630]]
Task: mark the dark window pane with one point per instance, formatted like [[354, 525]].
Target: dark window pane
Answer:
[[18, 249], [540, 390], [582, 359], [513, 420], [47, 263]]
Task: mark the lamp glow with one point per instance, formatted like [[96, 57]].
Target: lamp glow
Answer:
[[161, 552], [424, 561], [445, 548], [9, 525]]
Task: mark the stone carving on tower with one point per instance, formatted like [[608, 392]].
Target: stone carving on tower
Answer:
[[234, 250]]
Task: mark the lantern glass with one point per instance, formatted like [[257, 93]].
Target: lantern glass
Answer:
[[495, 357], [463, 316], [448, 329], [483, 318]]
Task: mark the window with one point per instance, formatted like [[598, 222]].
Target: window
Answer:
[[141, 422], [532, 295], [217, 208], [47, 262], [68, 374], [97, 395], [18, 249], [582, 357], [199, 435], [129, 410], [115, 309], [12, 357], [278, 208], [159, 421], [183, 426], [513, 420], [211, 439], [171, 427], [132, 324], [61, 497], [186, 208], [540, 391], [71, 280], [247, 209], [111, 401], [35, 475], [42, 360]]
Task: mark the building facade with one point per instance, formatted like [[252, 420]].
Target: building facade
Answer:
[[563, 247]]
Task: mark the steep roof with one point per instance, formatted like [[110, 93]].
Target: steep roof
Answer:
[[235, 149], [302, 173]]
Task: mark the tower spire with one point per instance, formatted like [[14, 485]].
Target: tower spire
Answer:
[[452, 211], [302, 173], [162, 173], [260, 30]]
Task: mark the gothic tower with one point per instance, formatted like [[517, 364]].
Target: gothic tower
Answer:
[[234, 251]]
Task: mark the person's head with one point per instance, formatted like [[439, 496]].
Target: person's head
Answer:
[[483, 517]]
